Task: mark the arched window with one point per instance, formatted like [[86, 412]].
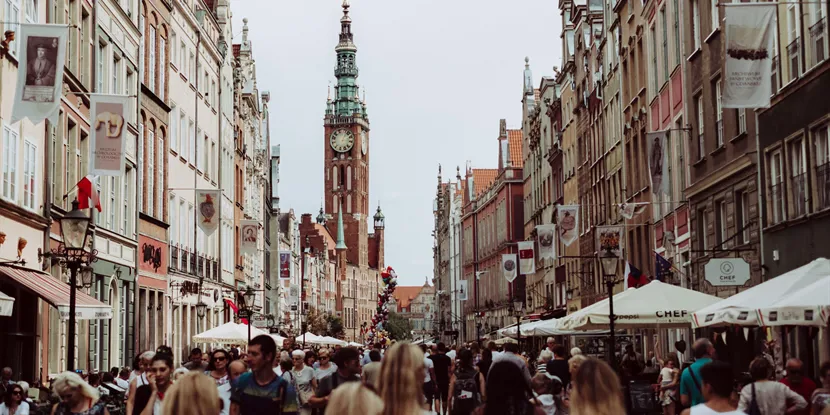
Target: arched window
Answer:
[[151, 65], [150, 178], [342, 176], [349, 203], [160, 159], [334, 207], [334, 182], [349, 178], [162, 62]]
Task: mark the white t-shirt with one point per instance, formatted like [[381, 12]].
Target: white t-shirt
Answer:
[[123, 384], [225, 395], [451, 354], [429, 365], [666, 374], [702, 409], [22, 409]]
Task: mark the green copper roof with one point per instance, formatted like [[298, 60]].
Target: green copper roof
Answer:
[[341, 242], [346, 98]]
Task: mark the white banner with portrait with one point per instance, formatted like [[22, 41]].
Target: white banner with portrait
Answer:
[[546, 237], [509, 266], [658, 161], [749, 29], [567, 220], [108, 141], [248, 236], [208, 203], [41, 57]]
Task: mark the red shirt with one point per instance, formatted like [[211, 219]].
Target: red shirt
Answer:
[[805, 388]]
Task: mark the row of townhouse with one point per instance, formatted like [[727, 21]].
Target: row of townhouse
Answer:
[[200, 122], [743, 183]]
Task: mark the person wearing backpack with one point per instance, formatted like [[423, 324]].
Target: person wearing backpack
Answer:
[[466, 386], [691, 389]]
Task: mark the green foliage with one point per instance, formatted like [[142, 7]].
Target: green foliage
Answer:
[[398, 327], [316, 322], [335, 327]]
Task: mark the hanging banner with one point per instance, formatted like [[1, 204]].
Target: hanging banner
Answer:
[[508, 266], [610, 238], [545, 235], [462, 290], [527, 258], [658, 162], [629, 210], [567, 219], [293, 294], [285, 265], [208, 218], [108, 141], [248, 235], [39, 87], [749, 48]]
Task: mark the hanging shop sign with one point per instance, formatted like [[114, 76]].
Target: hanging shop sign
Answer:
[[727, 272]]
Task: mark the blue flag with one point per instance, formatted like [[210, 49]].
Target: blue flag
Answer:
[[662, 268]]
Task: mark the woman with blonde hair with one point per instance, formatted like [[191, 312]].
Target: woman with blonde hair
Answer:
[[77, 397], [354, 398], [193, 394], [596, 390], [402, 375]]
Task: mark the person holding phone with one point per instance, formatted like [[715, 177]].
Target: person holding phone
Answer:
[[149, 399]]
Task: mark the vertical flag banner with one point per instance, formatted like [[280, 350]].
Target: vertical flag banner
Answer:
[[527, 258], [462, 290], [610, 238], [508, 266], [88, 193], [208, 218], [285, 265], [39, 87], [108, 141], [546, 236], [567, 219], [294, 294], [749, 48], [628, 210], [658, 163], [662, 268], [248, 235]]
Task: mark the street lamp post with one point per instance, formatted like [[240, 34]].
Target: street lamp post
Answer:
[[515, 307], [610, 262], [74, 254], [249, 296]]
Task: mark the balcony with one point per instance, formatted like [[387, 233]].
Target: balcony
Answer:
[[183, 264], [799, 194], [823, 186], [174, 258], [818, 42], [794, 55]]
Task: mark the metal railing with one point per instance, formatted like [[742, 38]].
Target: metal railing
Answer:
[[799, 195], [174, 257], [818, 42], [823, 186], [776, 194]]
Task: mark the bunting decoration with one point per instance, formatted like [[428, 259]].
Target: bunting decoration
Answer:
[[208, 217], [42, 53], [567, 219], [545, 236], [749, 49], [527, 258], [108, 141], [377, 332], [658, 163]]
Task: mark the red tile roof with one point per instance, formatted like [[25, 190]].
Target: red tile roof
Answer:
[[483, 178], [514, 142], [405, 295]]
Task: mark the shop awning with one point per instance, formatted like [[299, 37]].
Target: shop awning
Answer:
[[6, 305], [56, 293]]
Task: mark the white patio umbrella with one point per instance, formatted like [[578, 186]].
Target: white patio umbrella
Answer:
[[333, 341], [567, 321], [309, 337], [278, 339], [504, 340], [741, 309], [228, 333], [809, 306], [353, 344], [655, 304]]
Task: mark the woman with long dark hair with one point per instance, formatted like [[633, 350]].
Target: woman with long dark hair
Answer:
[[507, 392], [218, 366], [13, 402]]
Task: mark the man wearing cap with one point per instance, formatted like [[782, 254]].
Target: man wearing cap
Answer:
[[40, 70]]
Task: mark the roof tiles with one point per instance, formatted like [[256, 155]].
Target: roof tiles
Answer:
[[483, 178], [514, 143]]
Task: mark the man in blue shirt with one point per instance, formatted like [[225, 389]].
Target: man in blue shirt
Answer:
[[691, 383]]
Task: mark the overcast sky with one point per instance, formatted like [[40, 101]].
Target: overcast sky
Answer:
[[439, 74]]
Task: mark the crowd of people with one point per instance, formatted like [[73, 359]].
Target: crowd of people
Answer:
[[407, 379]]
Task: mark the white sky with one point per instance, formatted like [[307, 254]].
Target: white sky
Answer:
[[439, 74]]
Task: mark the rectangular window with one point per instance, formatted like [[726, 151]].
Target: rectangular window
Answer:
[[775, 185], [676, 19], [102, 53], [821, 140], [173, 44], [182, 149], [701, 142], [149, 182], [171, 206], [696, 24], [653, 71], [192, 68], [715, 14], [720, 225], [174, 127], [183, 224], [162, 73], [794, 46], [798, 177], [116, 69], [10, 143], [701, 231], [125, 201], [151, 80], [160, 186], [742, 215], [718, 114], [192, 139], [183, 59], [11, 18], [741, 120], [29, 175], [112, 205], [665, 23]]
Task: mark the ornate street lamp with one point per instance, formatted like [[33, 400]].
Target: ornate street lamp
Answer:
[[201, 309], [610, 262], [250, 298], [73, 229]]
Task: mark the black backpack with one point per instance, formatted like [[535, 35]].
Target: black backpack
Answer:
[[466, 396]]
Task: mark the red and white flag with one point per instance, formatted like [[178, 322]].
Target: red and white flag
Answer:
[[87, 191]]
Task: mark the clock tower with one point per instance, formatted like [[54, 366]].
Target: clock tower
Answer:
[[347, 149]]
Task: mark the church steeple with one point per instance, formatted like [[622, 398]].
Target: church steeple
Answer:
[[341, 239], [346, 99]]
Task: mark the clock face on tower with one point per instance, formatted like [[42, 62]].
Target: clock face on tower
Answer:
[[364, 142], [341, 140]]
